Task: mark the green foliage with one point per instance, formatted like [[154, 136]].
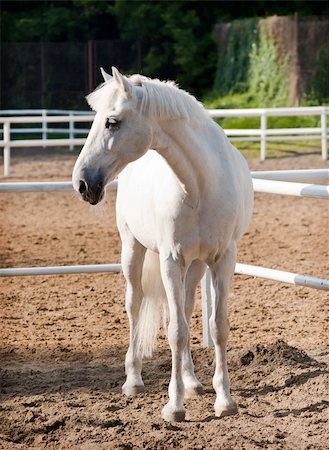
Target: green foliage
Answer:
[[319, 89], [193, 47], [248, 71], [268, 78], [232, 101], [175, 39], [39, 23], [57, 21], [294, 122], [233, 61]]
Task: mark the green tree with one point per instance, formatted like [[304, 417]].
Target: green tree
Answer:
[[319, 88], [175, 38], [57, 21]]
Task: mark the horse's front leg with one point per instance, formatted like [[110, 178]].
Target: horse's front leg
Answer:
[[222, 272], [192, 385], [132, 264], [173, 277]]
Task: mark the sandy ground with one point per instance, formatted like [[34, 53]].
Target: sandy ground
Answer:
[[63, 338]]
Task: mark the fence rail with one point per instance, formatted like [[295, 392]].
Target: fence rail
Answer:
[[275, 182], [263, 134]]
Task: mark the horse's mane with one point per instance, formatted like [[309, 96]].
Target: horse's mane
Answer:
[[165, 100], [161, 99]]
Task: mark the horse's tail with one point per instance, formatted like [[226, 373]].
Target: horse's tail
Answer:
[[153, 305]]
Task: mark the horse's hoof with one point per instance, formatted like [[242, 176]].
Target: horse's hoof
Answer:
[[172, 416], [194, 391], [132, 389], [226, 410]]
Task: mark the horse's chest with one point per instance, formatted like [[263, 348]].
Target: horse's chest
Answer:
[[154, 206], [155, 222]]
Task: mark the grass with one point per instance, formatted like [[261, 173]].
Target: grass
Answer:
[[246, 100], [279, 149], [232, 101], [272, 122]]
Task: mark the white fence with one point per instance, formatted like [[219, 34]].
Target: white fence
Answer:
[[265, 134], [263, 181], [265, 184], [11, 126], [7, 143]]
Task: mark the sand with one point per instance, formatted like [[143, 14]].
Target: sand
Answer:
[[64, 338]]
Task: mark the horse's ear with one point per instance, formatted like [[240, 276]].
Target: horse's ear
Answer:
[[106, 76], [122, 82]]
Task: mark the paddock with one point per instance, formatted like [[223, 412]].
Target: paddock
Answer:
[[67, 334]]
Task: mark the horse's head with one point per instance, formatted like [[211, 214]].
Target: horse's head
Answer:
[[118, 136]]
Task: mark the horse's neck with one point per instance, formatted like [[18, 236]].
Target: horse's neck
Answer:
[[185, 150]]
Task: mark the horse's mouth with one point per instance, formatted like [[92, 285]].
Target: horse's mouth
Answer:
[[95, 201], [91, 194]]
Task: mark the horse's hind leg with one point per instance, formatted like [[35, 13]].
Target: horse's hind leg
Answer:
[[192, 385], [222, 272], [132, 263]]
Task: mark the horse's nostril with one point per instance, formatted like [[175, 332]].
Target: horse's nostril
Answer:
[[82, 187]]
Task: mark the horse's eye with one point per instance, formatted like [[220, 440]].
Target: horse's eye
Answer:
[[111, 123]]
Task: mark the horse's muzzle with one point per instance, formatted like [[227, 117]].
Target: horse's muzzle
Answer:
[[92, 193]]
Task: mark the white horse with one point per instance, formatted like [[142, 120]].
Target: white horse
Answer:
[[180, 207]]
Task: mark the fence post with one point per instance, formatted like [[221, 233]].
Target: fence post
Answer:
[[44, 126], [6, 149], [206, 308], [71, 129], [263, 128], [324, 141]]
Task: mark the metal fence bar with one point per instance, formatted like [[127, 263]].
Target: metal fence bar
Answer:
[[43, 186], [258, 272], [324, 135], [289, 188], [260, 185], [44, 126], [34, 112], [50, 119], [48, 143], [6, 149], [256, 112], [242, 269], [71, 130], [59, 270], [301, 176], [263, 128], [280, 275], [206, 309]]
